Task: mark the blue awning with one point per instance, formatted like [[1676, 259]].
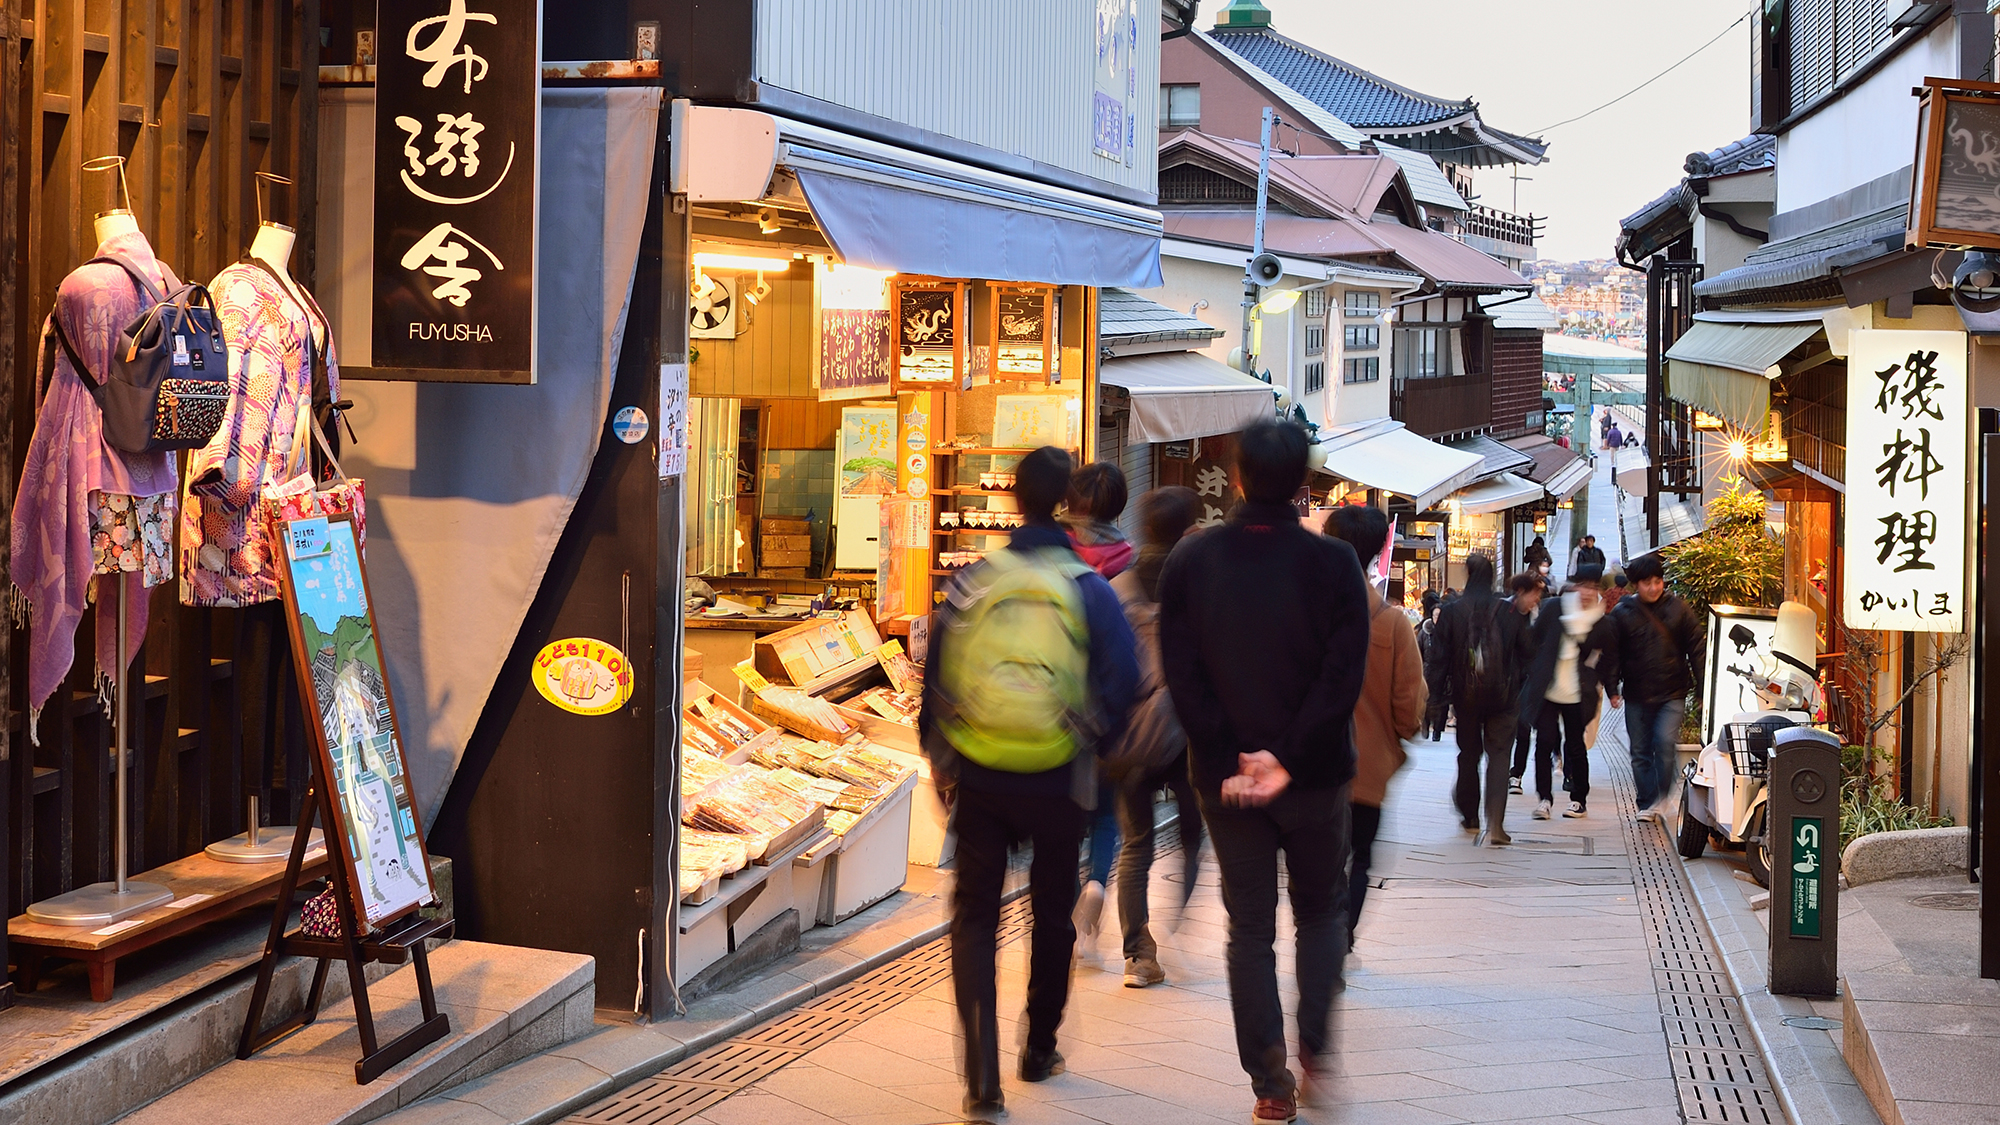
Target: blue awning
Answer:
[[893, 209]]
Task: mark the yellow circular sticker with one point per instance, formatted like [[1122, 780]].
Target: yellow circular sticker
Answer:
[[582, 675]]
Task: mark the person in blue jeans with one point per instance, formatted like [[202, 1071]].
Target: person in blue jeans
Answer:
[[1655, 652]]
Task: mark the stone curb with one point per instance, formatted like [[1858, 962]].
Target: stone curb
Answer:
[[1812, 1080], [496, 1087], [1910, 853]]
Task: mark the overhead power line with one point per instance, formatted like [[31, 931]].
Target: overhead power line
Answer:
[[1685, 59]]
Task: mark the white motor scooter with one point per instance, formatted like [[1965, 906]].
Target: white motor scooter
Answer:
[[1724, 791]]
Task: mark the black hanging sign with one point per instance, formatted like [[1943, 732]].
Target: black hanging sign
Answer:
[[457, 115]]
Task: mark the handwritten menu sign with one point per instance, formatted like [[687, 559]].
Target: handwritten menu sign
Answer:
[[1907, 471], [457, 120]]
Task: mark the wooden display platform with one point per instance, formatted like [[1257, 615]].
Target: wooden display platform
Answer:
[[228, 887]]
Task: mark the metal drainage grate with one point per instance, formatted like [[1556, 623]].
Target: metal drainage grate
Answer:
[[1717, 1068], [694, 1085]]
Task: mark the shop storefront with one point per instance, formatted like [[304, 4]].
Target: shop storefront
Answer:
[[751, 347]]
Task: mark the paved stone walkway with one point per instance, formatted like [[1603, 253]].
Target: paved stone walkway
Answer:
[[1489, 985]]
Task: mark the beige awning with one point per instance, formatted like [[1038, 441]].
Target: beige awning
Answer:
[[1726, 369], [1396, 460], [1181, 395], [1497, 495]]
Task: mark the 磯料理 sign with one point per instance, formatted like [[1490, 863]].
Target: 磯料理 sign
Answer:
[[1906, 481], [457, 118]]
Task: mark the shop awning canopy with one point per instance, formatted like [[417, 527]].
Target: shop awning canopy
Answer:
[[1570, 480], [1181, 395], [892, 208], [1497, 495], [1399, 461], [1726, 369]]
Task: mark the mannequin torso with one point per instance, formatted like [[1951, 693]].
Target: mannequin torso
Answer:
[[273, 247]]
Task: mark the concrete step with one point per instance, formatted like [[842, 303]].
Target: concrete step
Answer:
[[505, 1004]]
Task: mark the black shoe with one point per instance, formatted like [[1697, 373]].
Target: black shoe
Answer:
[[984, 1107], [1040, 1066]]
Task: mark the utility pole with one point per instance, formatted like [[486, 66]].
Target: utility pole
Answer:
[[1250, 288]]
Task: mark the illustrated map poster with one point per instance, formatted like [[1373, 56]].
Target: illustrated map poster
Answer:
[[361, 753]]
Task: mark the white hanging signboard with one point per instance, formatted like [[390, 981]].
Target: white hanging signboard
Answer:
[[1907, 468]]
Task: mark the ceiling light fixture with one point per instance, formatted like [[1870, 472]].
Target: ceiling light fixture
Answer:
[[747, 263]]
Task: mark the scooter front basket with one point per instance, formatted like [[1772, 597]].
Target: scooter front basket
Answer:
[[1750, 746]]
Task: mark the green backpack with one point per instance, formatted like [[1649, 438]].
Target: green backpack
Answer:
[[1017, 669]]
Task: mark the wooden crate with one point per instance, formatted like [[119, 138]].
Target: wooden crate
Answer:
[[782, 560], [785, 525]]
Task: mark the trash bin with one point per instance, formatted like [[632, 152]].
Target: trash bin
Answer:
[[1802, 837]]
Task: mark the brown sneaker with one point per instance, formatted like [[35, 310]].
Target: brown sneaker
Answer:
[[1313, 1087], [1143, 972], [1275, 1111]]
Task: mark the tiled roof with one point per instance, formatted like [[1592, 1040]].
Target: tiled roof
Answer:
[[1361, 99], [1427, 180], [1746, 155], [1123, 315]]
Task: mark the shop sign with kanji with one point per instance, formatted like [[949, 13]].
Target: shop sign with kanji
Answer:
[[457, 120], [1907, 468]]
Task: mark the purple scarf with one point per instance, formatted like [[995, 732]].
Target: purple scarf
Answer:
[[68, 458]]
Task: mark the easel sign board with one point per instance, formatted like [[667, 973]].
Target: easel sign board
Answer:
[[332, 623]]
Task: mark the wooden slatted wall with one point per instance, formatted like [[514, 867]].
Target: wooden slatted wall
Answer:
[[198, 96]]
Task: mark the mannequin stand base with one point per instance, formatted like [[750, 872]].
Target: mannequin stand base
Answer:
[[99, 904], [273, 845]]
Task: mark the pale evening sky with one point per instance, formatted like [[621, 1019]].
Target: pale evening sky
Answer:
[[1532, 63]]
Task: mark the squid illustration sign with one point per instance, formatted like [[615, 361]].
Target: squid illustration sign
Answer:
[[457, 121]]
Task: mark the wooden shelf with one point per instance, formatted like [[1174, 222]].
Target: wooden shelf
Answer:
[[966, 491], [972, 531], [991, 451]]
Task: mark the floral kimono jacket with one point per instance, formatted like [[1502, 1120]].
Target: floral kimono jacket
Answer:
[[227, 558]]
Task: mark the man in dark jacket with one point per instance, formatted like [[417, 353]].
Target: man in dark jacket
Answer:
[[993, 809], [1481, 650], [1586, 553], [1264, 631], [1657, 663], [1560, 696]]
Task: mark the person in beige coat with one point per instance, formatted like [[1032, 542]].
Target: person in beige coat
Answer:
[[1391, 707]]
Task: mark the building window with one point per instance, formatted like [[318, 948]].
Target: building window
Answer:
[[1362, 303], [1315, 376], [1423, 353], [1361, 370], [1361, 337], [1316, 304], [1316, 338], [1180, 106]]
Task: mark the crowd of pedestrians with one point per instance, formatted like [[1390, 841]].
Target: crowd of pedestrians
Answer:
[[1252, 670]]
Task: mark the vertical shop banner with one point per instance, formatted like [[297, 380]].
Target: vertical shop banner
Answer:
[[457, 119], [1115, 85], [1907, 468]]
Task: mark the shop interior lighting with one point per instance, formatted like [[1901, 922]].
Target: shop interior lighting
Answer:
[[747, 263], [756, 293], [853, 287], [1739, 449], [767, 220]]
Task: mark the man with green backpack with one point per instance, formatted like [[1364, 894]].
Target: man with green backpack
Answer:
[[1032, 670]]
